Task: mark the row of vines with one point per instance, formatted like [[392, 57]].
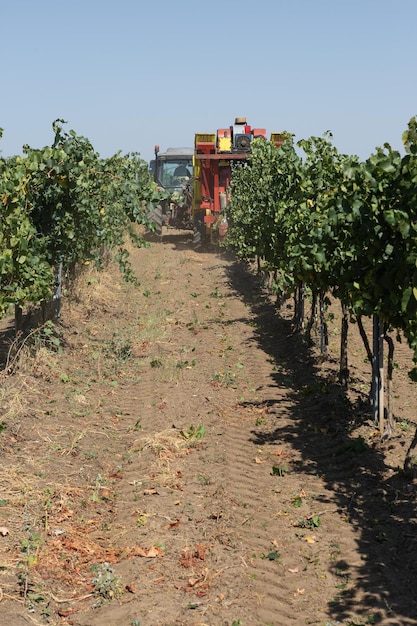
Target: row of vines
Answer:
[[62, 207], [332, 224]]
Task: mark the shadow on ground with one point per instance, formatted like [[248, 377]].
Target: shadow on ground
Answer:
[[379, 502]]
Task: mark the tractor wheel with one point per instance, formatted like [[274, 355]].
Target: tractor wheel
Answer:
[[199, 235], [156, 217]]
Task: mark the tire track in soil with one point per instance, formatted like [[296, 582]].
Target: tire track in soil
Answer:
[[260, 566], [245, 513], [248, 523], [252, 497]]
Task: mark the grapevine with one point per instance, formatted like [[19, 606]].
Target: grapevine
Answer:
[[336, 225], [64, 206]]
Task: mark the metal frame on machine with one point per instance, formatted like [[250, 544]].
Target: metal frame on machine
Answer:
[[214, 154]]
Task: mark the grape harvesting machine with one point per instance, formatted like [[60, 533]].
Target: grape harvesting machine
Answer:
[[197, 179]]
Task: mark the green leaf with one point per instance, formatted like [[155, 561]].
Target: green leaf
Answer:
[[316, 520], [405, 299], [279, 471]]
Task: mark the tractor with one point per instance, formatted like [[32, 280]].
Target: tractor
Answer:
[[172, 171]]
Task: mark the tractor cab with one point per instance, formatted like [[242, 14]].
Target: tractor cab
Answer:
[[172, 169]]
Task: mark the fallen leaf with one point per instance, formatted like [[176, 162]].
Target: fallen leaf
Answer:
[[106, 494], [174, 524], [299, 592], [258, 460], [293, 570], [150, 492], [147, 553], [201, 551], [310, 539], [4, 531], [130, 588], [154, 551], [186, 559], [118, 475], [66, 612]]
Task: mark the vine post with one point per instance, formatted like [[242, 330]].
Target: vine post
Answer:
[[378, 333]]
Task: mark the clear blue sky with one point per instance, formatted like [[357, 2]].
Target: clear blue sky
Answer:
[[131, 73]]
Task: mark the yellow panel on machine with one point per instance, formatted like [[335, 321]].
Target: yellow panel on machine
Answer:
[[277, 139], [205, 142], [197, 184], [224, 140]]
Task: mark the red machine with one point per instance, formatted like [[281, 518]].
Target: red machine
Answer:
[[214, 155]]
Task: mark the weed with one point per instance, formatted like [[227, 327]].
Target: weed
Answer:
[[30, 548], [312, 559], [156, 363], [225, 379], [335, 551], [118, 348], [194, 433], [48, 336], [204, 480], [279, 471], [180, 365], [272, 556], [99, 484], [356, 446], [309, 522], [106, 584], [405, 425]]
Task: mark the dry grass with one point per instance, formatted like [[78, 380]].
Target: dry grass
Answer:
[[165, 443], [13, 402], [93, 289]]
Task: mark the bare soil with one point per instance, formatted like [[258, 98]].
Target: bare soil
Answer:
[[184, 458]]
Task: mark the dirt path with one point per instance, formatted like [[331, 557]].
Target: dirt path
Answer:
[[187, 460]]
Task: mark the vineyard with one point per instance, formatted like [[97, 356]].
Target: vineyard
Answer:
[[208, 436]]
